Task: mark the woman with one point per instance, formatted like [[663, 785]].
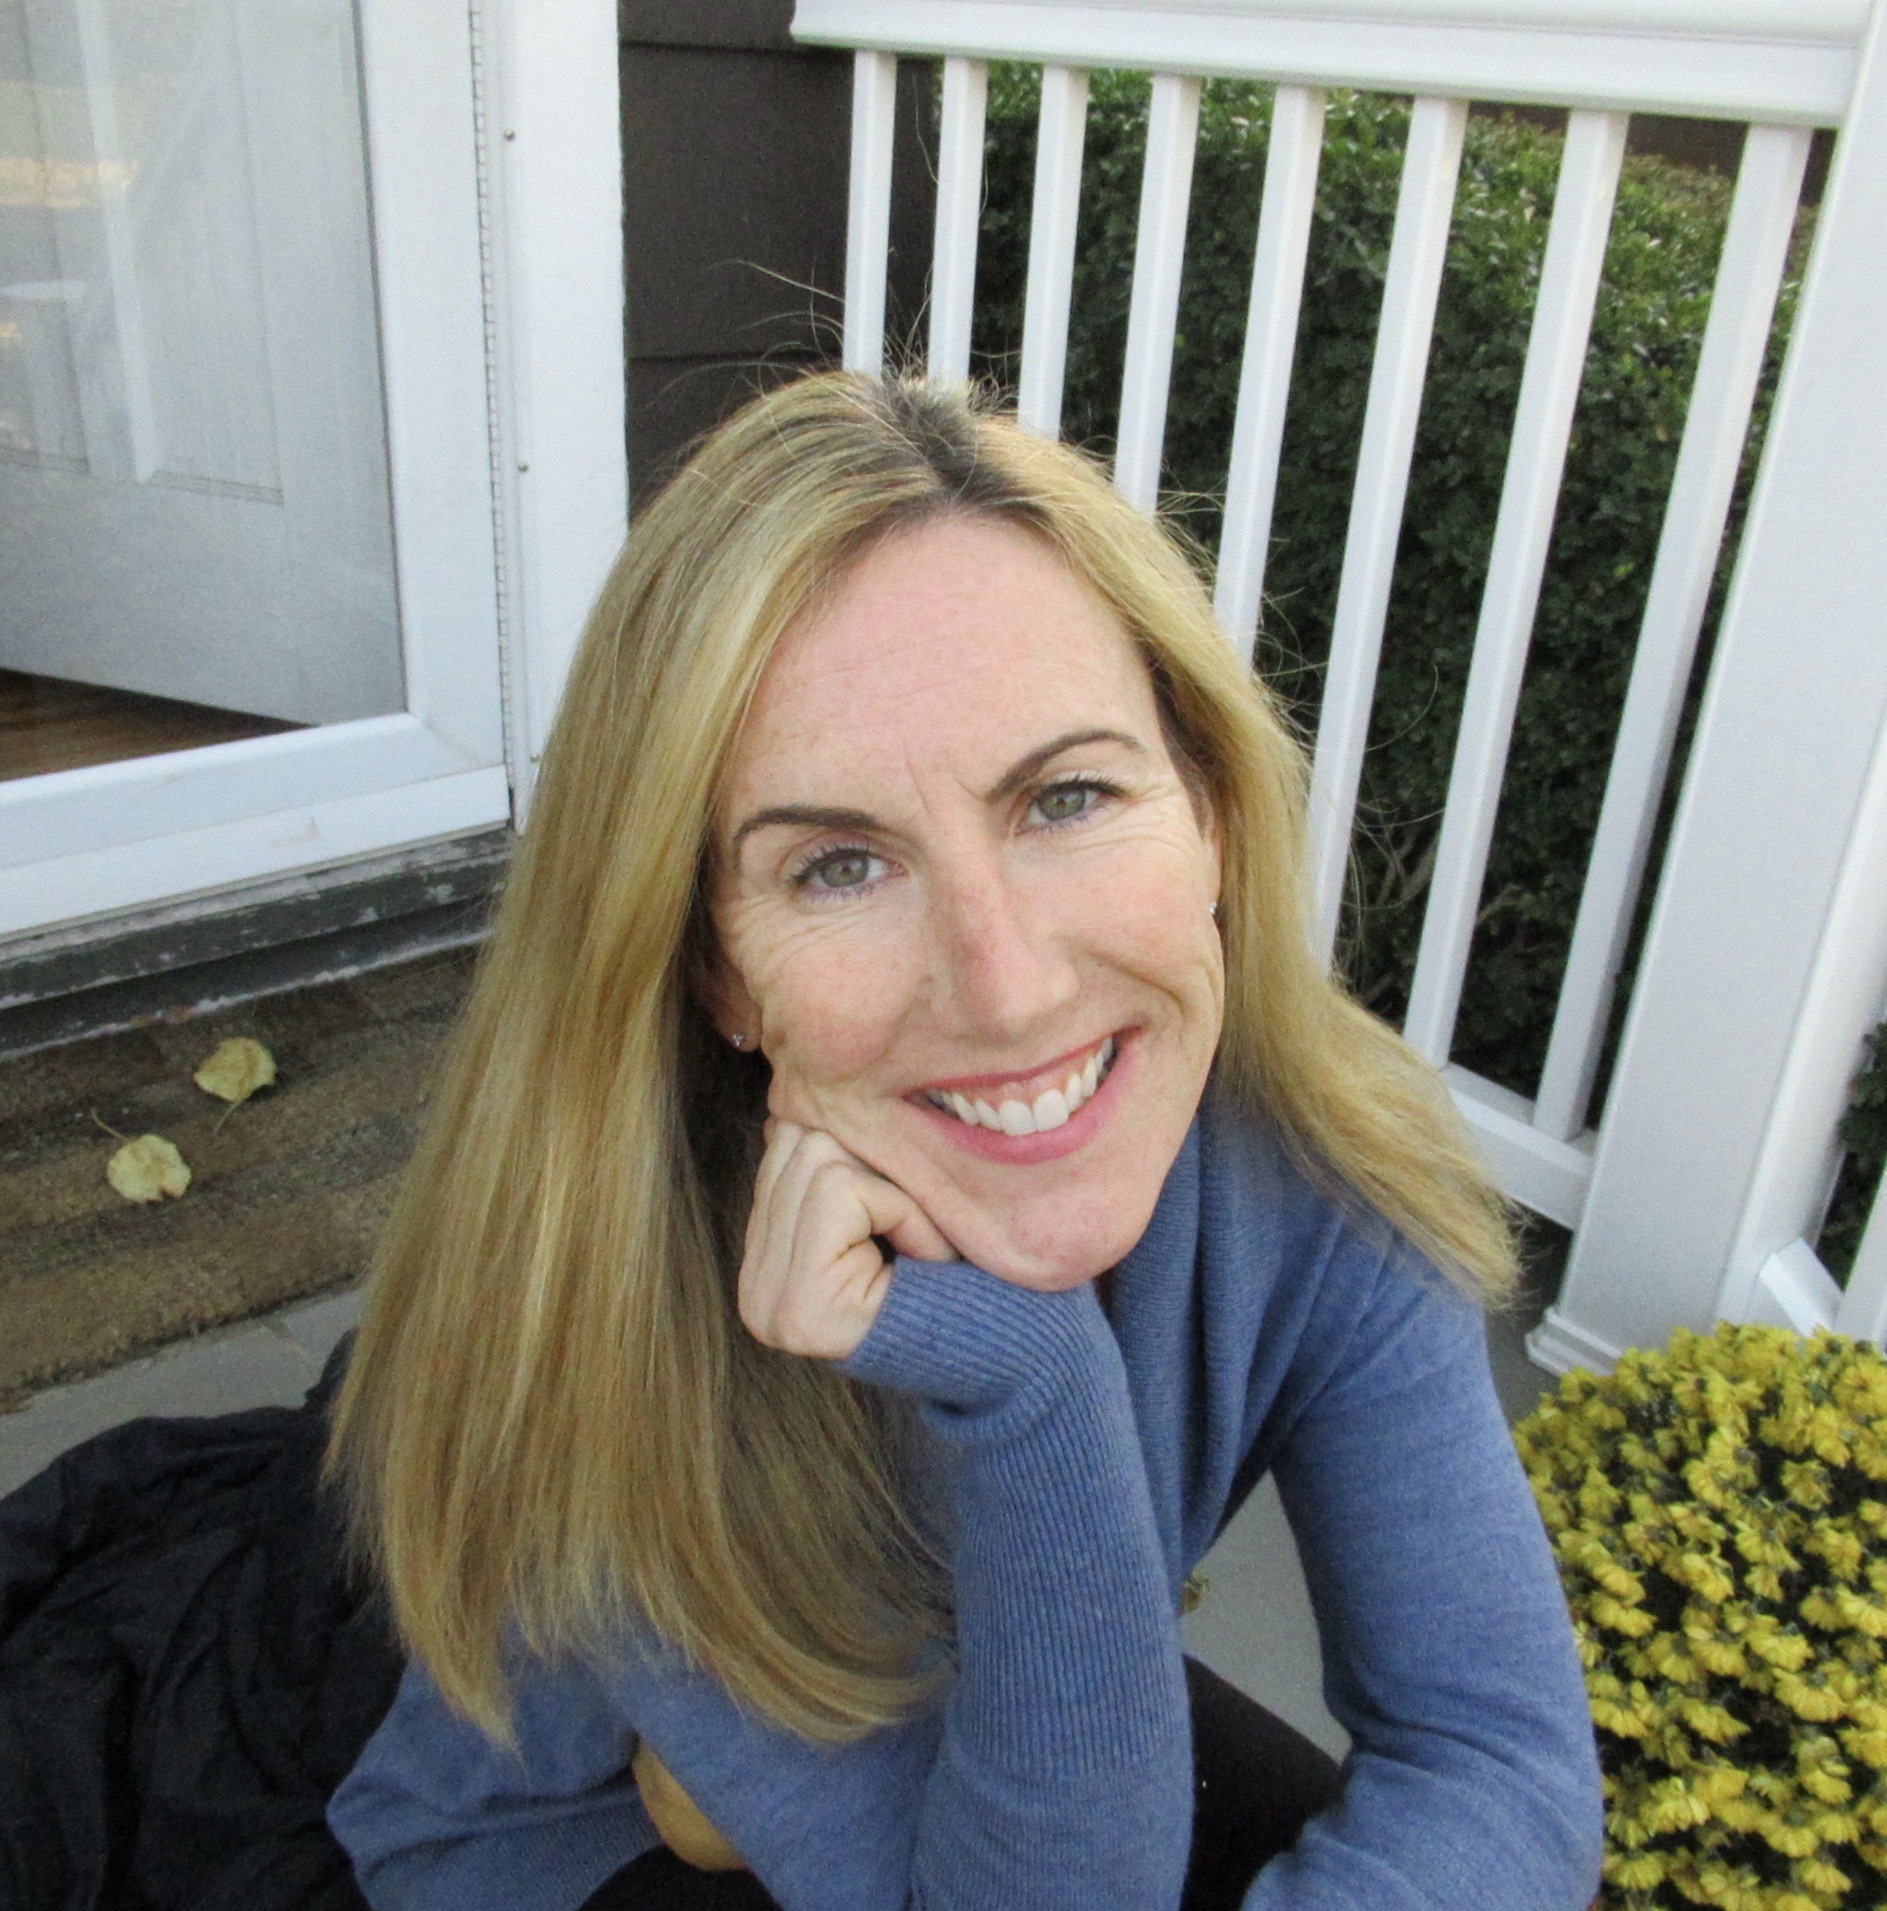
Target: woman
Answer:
[[915, 869]]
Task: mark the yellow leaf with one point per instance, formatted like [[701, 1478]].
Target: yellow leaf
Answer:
[[236, 1070], [148, 1169]]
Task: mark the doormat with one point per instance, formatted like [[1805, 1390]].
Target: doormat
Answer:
[[288, 1190]]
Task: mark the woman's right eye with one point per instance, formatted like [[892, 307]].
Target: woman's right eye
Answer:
[[838, 872]]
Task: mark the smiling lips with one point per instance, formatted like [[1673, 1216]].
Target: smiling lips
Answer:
[[1012, 1109]]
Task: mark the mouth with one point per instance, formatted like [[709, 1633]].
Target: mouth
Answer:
[[1031, 1104]]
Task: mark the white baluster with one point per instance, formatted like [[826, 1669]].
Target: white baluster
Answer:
[[1430, 168], [1549, 387], [959, 207], [1264, 384], [1153, 316], [1755, 249], [1058, 142], [868, 213]]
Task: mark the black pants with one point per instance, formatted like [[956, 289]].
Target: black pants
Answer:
[[1255, 1782]]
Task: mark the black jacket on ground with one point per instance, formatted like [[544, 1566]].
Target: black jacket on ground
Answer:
[[186, 1671]]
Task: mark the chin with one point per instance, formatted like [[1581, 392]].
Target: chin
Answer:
[[1050, 1258]]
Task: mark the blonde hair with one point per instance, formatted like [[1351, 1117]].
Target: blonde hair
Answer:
[[554, 1423]]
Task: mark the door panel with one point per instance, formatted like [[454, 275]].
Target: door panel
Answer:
[[193, 481]]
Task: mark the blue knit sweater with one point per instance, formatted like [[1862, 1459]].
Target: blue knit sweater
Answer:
[[1256, 1325]]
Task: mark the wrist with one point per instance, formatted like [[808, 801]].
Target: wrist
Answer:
[[949, 1333]]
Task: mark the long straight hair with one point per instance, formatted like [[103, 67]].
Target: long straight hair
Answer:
[[554, 1424]]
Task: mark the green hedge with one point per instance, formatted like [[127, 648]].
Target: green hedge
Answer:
[[1666, 235]]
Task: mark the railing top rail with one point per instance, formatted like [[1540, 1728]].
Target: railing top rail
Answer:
[[1755, 60], [1840, 21]]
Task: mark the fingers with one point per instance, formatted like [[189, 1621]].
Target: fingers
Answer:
[[778, 1151], [899, 1220], [813, 1278]]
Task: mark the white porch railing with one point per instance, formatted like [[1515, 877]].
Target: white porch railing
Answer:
[[1766, 959]]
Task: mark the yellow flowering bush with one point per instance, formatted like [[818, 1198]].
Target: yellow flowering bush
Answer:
[[1719, 1512]]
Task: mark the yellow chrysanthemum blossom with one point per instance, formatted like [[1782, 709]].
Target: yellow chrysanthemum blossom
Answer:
[[1719, 1512]]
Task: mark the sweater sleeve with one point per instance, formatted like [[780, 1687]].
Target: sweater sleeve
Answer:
[[1063, 1774], [1472, 1782]]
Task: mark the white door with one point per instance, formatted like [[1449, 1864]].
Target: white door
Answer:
[[263, 416], [193, 483]]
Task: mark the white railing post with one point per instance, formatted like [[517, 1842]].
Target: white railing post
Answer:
[[1794, 714], [1700, 1191]]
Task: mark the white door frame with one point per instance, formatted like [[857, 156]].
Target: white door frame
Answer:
[[494, 161], [551, 122]]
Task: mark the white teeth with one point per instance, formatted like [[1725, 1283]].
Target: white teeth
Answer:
[[1051, 1108]]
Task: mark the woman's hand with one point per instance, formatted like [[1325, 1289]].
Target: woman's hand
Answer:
[[813, 1278]]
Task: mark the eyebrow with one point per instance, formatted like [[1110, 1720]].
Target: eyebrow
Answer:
[[820, 816]]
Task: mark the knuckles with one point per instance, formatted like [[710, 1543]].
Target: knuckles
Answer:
[[799, 1288]]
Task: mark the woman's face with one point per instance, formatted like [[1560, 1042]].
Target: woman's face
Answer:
[[964, 899]]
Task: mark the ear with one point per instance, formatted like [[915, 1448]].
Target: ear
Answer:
[[725, 996], [1207, 813], [1198, 787], [710, 977]]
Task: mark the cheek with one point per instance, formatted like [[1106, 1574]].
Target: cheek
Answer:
[[829, 1006], [1159, 929]]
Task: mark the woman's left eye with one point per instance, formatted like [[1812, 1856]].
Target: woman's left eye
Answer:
[[1068, 802]]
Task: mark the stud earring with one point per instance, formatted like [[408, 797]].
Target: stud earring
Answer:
[[739, 1038], [1213, 912]]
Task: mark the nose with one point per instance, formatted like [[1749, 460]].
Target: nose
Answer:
[[1003, 967]]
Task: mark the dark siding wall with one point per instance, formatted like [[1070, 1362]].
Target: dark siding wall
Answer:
[[735, 154]]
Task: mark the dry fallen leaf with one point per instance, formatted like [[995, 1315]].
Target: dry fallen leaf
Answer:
[[236, 1070], [148, 1169]]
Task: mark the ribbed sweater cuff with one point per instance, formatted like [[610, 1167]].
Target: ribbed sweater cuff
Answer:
[[952, 1334]]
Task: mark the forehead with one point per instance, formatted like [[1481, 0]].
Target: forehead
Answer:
[[962, 639]]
